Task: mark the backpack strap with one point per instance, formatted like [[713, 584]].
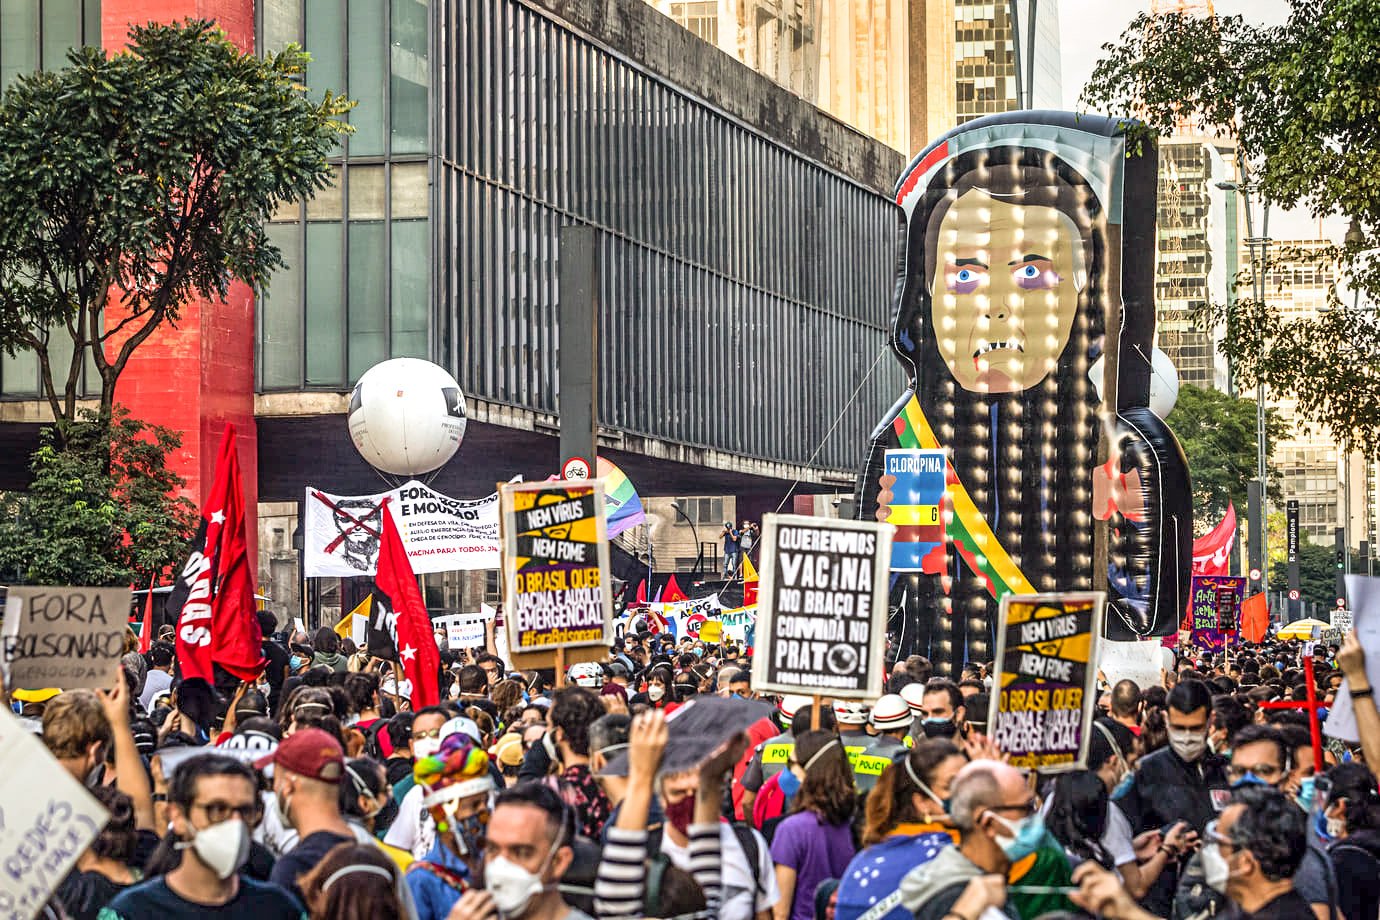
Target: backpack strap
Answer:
[[748, 841]]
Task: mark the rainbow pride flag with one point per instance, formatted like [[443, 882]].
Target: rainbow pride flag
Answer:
[[965, 525], [623, 506]]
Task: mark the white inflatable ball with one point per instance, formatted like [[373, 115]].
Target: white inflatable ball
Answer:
[[407, 416], [1164, 384]]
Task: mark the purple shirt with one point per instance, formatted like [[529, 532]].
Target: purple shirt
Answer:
[[816, 851]]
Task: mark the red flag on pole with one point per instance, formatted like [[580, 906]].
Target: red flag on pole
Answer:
[[397, 601], [1255, 618], [673, 592], [213, 597], [146, 631], [1212, 551], [641, 592]]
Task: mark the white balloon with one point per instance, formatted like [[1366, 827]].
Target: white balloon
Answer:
[[407, 416], [1164, 384]]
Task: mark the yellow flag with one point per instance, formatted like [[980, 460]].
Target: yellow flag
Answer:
[[749, 573], [342, 628]]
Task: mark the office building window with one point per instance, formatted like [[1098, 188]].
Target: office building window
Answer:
[[361, 291]]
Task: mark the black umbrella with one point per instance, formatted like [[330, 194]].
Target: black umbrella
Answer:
[[696, 730]]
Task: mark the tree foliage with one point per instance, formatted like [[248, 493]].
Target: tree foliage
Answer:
[[134, 183], [1217, 433], [1302, 102], [102, 508]]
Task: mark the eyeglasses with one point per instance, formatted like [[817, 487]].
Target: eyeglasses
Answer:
[[1266, 771], [433, 733], [1025, 809], [1214, 836], [217, 812]]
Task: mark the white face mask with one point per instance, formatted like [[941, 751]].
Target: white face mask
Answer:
[[1215, 869], [1188, 745], [511, 886], [223, 847], [425, 747], [655, 692]]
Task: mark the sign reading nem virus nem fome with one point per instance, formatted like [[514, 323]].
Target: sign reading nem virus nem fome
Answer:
[[1046, 657], [822, 606]]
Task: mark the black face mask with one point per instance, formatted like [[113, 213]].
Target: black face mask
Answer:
[[944, 729]]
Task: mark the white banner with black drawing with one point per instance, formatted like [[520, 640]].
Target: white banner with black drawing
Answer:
[[440, 533], [822, 606]]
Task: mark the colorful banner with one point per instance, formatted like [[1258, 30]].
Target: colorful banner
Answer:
[[623, 503], [911, 498], [822, 607], [1212, 551], [555, 565], [1215, 609], [1046, 645], [439, 533]]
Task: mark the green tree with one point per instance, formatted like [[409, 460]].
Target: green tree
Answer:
[[1302, 102], [101, 509], [133, 183], [1217, 433]]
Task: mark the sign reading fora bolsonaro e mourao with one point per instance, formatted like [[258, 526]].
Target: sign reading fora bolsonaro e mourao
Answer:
[[822, 606]]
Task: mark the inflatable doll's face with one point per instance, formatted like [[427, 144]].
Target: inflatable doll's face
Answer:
[[1005, 291]]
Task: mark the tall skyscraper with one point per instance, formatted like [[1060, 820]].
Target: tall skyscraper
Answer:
[[1197, 254]]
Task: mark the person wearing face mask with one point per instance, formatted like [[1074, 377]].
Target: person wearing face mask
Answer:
[[658, 692], [815, 841], [999, 820], [456, 786], [1137, 861], [424, 739], [1348, 819], [368, 807], [1183, 781], [527, 849], [1253, 851], [772, 755], [211, 799], [307, 769], [573, 710], [890, 718], [906, 826], [941, 711]]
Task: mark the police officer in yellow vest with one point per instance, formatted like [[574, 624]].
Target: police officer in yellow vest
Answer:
[[890, 720], [851, 717], [773, 755]]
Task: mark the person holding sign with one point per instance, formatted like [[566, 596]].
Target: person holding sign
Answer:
[[211, 801]]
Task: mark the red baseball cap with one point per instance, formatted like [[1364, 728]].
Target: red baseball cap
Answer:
[[312, 753]]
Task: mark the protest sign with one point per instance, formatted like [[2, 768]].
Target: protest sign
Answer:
[[1341, 620], [912, 492], [64, 637], [1139, 662], [439, 533], [555, 566], [1214, 606], [46, 824], [822, 608], [1046, 644], [463, 630]]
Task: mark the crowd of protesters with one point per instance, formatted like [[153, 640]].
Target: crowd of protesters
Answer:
[[317, 792]]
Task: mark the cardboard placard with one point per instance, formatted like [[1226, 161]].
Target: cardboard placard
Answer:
[[463, 630], [822, 608], [1140, 662], [1047, 645], [556, 585], [64, 636], [46, 824]]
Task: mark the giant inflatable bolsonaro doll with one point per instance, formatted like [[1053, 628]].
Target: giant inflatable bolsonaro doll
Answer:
[[1024, 317]]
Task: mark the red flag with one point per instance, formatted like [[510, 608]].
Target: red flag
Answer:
[[1255, 618], [1212, 551], [214, 595], [397, 602], [749, 583], [673, 592], [146, 631], [641, 592]]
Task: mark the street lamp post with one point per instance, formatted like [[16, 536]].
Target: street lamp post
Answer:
[[699, 547], [1260, 249]]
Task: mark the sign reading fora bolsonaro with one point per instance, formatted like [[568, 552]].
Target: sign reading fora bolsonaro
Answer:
[[822, 606]]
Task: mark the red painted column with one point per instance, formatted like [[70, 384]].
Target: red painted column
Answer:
[[200, 375]]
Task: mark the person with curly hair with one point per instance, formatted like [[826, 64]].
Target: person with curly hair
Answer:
[[815, 842], [104, 870]]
